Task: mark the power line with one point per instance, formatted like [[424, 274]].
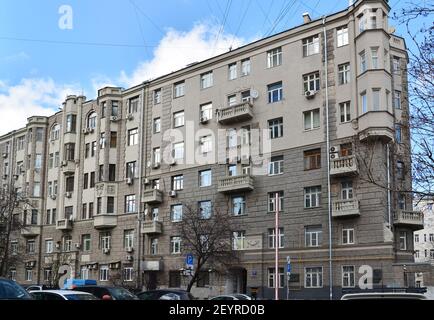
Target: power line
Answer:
[[264, 13], [140, 28], [228, 6], [147, 17], [281, 15], [242, 19]]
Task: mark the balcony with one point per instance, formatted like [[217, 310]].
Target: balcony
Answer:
[[235, 184], [152, 196], [152, 227], [343, 166], [68, 167], [376, 124], [410, 219], [104, 221], [64, 224], [152, 263], [345, 208], [236, 113], [30, 231]]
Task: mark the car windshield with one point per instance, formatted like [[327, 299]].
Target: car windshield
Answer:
[[122, 294], [11, 290], [79, 296]]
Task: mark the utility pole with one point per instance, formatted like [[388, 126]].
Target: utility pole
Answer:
[[276, 246]]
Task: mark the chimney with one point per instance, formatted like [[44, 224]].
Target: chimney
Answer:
[[306, 17]]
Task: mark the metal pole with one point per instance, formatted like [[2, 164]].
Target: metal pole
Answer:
[[276, 246]]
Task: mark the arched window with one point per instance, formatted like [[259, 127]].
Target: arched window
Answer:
[[55, 132], [91, 120]]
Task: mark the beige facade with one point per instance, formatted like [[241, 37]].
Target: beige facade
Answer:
[[347, 108]]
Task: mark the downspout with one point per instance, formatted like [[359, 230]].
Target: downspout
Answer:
[[328, 159], [389, 209]]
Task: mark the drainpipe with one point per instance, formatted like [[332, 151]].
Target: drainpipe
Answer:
[[328, 160], [389, 209]]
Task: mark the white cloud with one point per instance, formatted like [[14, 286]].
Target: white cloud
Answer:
[[35, 96], [20, 56], [177, 49]]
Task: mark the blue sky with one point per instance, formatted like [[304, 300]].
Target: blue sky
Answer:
[[122, 42]]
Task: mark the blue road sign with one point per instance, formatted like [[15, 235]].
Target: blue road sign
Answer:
[[189, 260], [288, 265]]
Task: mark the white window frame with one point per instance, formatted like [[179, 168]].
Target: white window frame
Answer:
[[176, 212], [310, 46], [205, 178], [344, 74], [206, 80], [348, 277], [104, 273], [178, 119], [314, 273], [342, 36], [272, 238], [238, 240], [276, 167], [206, 111], [175, 245], [246, 67], [345, 111], [310, 194], [312, 124], [313, 237], [179, 89], [232, 71], [178, 150], [348, 236], [274, 57]]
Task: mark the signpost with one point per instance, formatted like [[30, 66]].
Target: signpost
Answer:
[[288, 275], [189, 263]]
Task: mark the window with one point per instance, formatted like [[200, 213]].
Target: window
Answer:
[[178, 119], [347, 190], [157, 96], [205, 144], [402, 240], [362, 23], [206, 80], [92, 180], [311, 119], [363, 66], [155, 184], [69, 151], [310, 46], [47, 274], [238, 240], [431, 237], [112, 172], [345, 110], [55, 132], [245, 136], [374, 57], [178, 182], [69, 211], [373, 22], [401, 202], [84, 273], [176, 213], [91, 120], [86, 242], [376, 99], [14, 247], [113, 139], [133, 137], [238, 205], [416, 238], [313, 236], [416, 253], [132, 170], [29, 275], [133, 105], [175, 245], [155, 214], [128, 274], [206, 111], [232, 138], [311, 82], [178, 151], [90, 210], [312, 197], [364, 102], [312, 159], [276, 166], [36, 189], [232, 100], [130, 203], [49, 246], [205, 178], [245, 67], [205, 209], [103, 109], [86, 150], [85, 181], [232, 71], [157, 125], [67, 243], [105, 240], [98, 205], [397, 99], [272, 277], [48, 217], [396, 65], [398, 133], [342, 35], [110, 205], [115, 108], [21, 141], [275, 92], [101, 173], [274, 57], [93, 149], [156, 156], [129, 239], [272, 238], [276, 128], [104, 273], [154, 246], [313, 277], [246, 96], [272, 201], [344, 73], [71, 120], [179, 89], [348, 275]]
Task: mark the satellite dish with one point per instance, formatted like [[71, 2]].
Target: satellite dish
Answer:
[[254, 94]]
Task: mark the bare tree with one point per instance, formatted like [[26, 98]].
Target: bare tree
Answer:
[[208, 239]]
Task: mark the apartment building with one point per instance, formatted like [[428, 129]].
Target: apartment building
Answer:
[[321, 109]]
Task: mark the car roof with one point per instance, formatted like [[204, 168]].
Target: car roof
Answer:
[[383, 295], [62, 292]]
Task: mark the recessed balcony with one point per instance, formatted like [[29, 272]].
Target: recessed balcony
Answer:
[[152, 227], [105, 221], [235, 184], [64, 224], [410, 219], [237, 113], [152, 196], [345, 208], [343, 166], [30, 231]]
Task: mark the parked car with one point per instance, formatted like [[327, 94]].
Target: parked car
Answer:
[[384, 295], [226, 297], [62, 295], [241, 296], [107, 293], [36, 287], [10, 290], [166, 294]]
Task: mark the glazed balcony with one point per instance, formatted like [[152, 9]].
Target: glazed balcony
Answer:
[[152, 227], [345, 208], [410, 219], [64, 224], [152, 196], [105, 221], [343, 166], [235, 184], [237, 113]]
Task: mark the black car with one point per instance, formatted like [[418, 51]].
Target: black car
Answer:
[[165, 294], [10, 290], [108, 293]]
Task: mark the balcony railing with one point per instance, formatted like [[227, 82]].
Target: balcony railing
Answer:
[[236, 113], [103, 221], [152, 227], [152, 196], [412, 219], [235, 184], [343, 166], [30, 231], [345, 208], [64, 224]]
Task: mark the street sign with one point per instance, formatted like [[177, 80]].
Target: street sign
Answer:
[[288, 265], [189, 261]]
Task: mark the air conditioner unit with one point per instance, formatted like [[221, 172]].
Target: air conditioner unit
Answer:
[[172, 193], [68, 194], [85, 131], [106, 250], [130, 257], [114, 118], [156, 165], [130, 117], [335, 149], [5, 155], [94, 266], [77, 246], [129, 181], [204, 120], [129, 249], [334, 156], [309, 94]]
